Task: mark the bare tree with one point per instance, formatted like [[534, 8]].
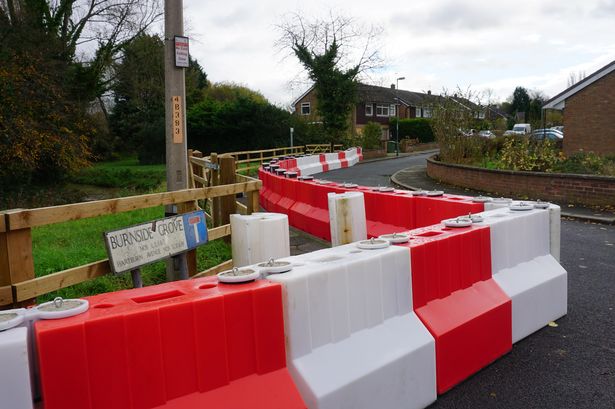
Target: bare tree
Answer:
[[334, 52], [358, 43], [574, 78]]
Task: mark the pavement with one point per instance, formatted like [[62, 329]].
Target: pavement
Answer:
[[570, 365]]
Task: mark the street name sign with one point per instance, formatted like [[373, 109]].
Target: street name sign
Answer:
[[132, 247]]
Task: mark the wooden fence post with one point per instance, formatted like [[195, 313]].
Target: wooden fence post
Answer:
[[215, 181], [16, 262], [227, 177]]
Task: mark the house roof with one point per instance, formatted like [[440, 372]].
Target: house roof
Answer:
[[372, 93], [559, 101]]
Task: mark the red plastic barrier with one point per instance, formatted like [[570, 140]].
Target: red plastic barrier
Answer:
[[387, 212], [323, 162], [343, 160], [298, 212], [460, 304], [179, 345], [289, 196], [432, 210]]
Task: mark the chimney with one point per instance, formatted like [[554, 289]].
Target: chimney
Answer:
[[428, 92], [392, 86]]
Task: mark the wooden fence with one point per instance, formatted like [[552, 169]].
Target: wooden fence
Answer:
[[18, 283], [212, 179]]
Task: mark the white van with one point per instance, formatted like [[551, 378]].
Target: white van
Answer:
[[522, 129]]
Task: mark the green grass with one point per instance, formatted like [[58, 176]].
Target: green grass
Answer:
[[64, 245], [125, 173]]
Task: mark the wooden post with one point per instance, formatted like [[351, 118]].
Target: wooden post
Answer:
[[16, 262], [227, 177], [191, 254], [215, 181], [252, 204], [197, 169]]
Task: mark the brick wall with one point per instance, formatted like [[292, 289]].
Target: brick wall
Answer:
[[589, 118], [560, 188]]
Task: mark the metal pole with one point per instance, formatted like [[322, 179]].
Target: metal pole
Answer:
[[175, 110], [397, 115], [292, 130]]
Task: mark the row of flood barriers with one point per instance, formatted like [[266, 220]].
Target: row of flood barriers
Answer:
[[361, 325]]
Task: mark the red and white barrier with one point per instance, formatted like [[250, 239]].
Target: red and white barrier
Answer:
[[353, 340], [525, 269], [184, 344], [387, 211], [455, 297], [312, 164]]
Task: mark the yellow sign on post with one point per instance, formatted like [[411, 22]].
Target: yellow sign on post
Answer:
[[178, 126]]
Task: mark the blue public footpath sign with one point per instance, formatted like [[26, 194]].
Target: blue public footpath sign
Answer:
[[132, 247]]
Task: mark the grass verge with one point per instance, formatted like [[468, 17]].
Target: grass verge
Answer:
[[125, 173]]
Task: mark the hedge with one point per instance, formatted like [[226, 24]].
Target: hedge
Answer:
[[413, 128]]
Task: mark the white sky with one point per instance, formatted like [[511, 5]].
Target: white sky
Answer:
[[435, 44]]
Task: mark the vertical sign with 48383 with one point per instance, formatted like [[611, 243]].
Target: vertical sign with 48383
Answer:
[[178, 126]]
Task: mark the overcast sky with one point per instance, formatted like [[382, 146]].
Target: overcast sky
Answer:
[[435, 44]]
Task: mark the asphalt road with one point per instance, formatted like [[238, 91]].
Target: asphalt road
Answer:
[[568, 366]]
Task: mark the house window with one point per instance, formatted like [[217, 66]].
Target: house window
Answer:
[[305, 108], [481, 115], [369, 109], [382, 110], [418, 112], [392, 110], [426, 112]]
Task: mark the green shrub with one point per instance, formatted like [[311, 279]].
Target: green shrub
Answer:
[[371, 136], [520, 153], [587, 163], [414, 128]]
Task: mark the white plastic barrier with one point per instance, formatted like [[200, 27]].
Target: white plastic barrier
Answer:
[[347, 217], [15, 360], [333, 160], [353, 339], [259, 237], [352, 155], [15, 388], [554, 222], [309, 165], [524, 268]]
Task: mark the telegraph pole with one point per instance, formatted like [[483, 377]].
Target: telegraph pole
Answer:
[[175, 117]]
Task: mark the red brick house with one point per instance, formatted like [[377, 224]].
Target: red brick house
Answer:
[[589, 113], [375, 104]]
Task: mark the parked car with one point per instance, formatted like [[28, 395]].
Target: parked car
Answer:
[[486, 134], [558, 128], [509, 132], [551, 134]]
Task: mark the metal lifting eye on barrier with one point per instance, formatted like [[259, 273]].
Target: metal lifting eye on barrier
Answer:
[[58, 302]]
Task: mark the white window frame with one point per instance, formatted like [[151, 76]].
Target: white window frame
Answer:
[[369, 106], [381, 108], [392, 109], [418, 112], [308, 106], [426, 112]]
